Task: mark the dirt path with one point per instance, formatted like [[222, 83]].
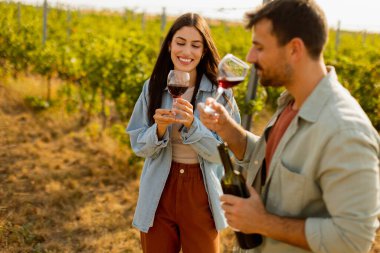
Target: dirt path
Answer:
[[60, 191], [63, 190]]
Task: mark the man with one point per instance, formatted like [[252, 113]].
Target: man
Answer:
[[318, 158]]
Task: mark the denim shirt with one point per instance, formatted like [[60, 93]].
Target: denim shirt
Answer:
[[325, 170], [158, 154]]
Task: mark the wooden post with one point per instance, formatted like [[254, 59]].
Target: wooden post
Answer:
[[337, 38], [44, 26], [163, 24], [19, 14], [226, 27], [68, 20], [364, 38], [125, 14], [251, 93], [143, 21], [163, 19]]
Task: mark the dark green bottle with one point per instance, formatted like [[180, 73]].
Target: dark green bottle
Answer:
[[234, 183]]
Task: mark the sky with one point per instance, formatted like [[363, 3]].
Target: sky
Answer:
[[352, 14]]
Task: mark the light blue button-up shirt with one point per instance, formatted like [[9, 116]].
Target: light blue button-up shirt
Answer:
[[158, 154], [325, 170]]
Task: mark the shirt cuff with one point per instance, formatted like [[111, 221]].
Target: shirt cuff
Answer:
[[251, 141], [313, 233], [165, 139], [186, 133]]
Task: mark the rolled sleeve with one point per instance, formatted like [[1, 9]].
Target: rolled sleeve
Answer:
[[190, 135], [249, 151], [350, 184], [324, 236], [165, 139], [143, 136]]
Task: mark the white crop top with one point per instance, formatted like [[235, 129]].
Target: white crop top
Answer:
[[183, 153]]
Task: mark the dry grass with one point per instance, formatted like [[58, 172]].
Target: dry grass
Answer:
[[66, 188], [62, 189]]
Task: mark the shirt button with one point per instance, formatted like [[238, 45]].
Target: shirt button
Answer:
[[256, 162], [181, 171]]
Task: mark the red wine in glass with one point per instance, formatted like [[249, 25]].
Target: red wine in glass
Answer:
[[231, 72], [177, 83], [229, 82], [176, 90], [226, 83]]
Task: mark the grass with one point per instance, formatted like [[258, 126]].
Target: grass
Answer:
[[65, 187]]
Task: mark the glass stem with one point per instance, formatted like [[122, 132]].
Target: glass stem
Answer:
[[220, 92]]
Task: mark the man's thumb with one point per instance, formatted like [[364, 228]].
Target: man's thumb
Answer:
[[252, 191]]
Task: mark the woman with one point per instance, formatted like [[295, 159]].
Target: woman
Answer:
[[178, 203]]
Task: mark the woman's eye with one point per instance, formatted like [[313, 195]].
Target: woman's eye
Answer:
[[180, 44], [196, 46]]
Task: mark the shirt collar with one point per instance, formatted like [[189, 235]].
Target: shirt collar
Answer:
[[313, 105], [206, 84]]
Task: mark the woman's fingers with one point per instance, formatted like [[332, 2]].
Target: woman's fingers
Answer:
[[184, 106], [184, 112], [164, 112], [164, 116]]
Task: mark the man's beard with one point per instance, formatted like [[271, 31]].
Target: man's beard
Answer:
[[275, 79]]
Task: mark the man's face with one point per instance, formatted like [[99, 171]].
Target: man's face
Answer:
[[269, 58]]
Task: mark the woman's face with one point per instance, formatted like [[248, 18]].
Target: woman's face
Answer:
[[186, 49]]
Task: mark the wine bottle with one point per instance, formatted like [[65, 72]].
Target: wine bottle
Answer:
[[234, 183]]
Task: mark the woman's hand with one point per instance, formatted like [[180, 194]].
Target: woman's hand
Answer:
[[184, 110], [163, 118]]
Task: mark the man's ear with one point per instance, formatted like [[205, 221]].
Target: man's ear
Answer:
[[296, 48]]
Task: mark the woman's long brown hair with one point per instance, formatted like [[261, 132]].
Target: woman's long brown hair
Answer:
[[208, 64]]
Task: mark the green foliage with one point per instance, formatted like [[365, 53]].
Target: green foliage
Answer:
[[357, 62], [45, 60], [94, 131], [69, 96], [363, 81], [117, 132], [252, 106], [37, 103], [105, 57], [16, 234]]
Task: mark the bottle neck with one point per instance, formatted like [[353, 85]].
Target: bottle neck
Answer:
[[227, 164]]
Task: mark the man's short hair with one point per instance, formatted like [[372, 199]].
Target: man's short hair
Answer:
[[291, 19]]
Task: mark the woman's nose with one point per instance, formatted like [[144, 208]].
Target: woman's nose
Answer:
[[187, 50]]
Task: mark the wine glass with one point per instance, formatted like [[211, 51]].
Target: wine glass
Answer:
[[178, 82], [231, 72]]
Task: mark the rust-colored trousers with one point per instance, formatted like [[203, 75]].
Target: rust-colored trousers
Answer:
[[183, 217]]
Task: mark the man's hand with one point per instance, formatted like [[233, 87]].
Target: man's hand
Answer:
[[250, 216], [225, 126], [245, 215], [216, 121]]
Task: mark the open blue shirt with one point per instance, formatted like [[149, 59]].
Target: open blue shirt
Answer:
[[158, 154]]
